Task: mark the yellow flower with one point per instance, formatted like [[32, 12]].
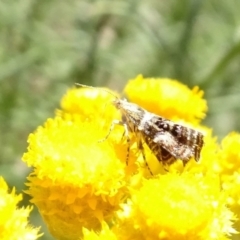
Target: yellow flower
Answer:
[[13, 220], [228, 166], [77, 181], [168, 98], [187, 206]]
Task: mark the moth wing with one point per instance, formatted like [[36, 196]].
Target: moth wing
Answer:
[[165, 157], [187, 138], [174, 147]]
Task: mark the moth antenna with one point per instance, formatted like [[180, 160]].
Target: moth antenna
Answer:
[[100, 89]]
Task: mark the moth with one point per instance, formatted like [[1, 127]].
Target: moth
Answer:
[[167, 140]]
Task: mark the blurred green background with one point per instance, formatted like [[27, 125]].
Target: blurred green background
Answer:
[[46, 46]]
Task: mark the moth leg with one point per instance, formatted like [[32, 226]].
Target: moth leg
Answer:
[[185, 162], [113, 124], [165, 167], [128, 148], [140, 147], [125, 134]]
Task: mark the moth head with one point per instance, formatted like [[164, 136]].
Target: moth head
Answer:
[[127, 108]]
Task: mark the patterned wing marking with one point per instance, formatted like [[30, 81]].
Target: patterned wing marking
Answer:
[[171, 145]]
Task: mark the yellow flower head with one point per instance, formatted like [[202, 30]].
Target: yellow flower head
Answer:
[[77, 180], [13, 220], [172, 206], [168, 98]]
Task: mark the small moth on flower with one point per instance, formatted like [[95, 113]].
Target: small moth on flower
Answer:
[[167, 140]]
